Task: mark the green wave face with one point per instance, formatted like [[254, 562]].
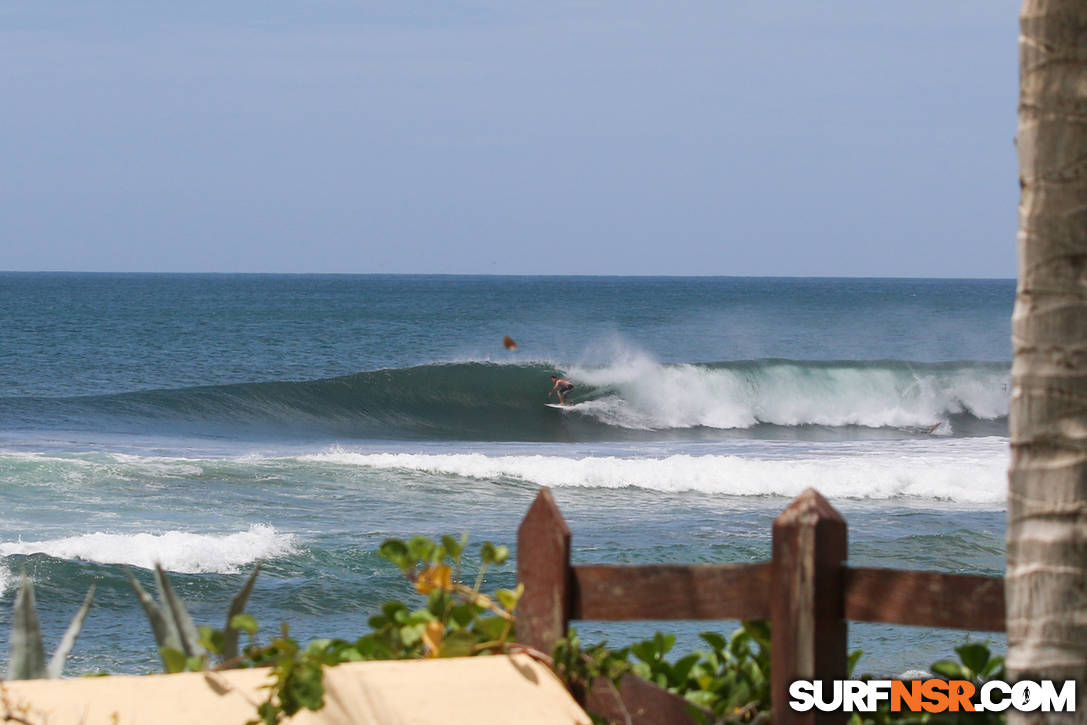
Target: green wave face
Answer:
[[448, 401]]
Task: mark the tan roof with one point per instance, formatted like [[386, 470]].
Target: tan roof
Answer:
[[475, 690]]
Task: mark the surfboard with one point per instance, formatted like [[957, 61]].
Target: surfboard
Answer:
[[556, 405]]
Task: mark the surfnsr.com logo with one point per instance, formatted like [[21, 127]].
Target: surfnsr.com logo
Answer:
[[934, 695]]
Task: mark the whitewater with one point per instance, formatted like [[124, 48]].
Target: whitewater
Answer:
[[969, 474], [211, 422]]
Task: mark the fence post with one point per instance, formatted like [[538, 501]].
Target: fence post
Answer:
[[807, 608], [543, 566]]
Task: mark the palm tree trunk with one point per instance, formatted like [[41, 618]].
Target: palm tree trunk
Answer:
[[1047, 496]]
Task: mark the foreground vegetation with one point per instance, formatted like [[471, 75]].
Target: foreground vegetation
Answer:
[[726, 682]]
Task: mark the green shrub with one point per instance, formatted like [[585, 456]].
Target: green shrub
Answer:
[[729, 683]]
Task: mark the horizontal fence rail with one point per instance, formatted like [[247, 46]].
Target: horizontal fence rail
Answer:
[[925, 599], [670, 592], [806, 591], [739, 591]]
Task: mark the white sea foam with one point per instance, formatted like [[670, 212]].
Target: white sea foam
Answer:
[[35, 468], [646, 394], [177, 551], [954, 475], [5, 580]]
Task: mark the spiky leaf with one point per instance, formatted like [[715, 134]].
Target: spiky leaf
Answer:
[[237, 606], [165, 632], [179, 615], [27, 651], [60, 656]]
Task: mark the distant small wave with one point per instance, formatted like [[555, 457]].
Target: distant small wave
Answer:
[[177, 551]]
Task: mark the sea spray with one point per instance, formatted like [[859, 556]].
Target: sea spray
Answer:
[[642, 393]]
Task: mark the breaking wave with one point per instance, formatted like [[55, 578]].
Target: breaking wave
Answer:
[[635, 398], [177, 551]]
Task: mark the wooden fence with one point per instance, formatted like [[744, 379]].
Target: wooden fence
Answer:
[[806, 591]]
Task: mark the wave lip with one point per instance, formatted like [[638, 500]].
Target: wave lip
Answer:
[[177, 551]]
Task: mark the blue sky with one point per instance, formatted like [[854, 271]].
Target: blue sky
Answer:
[[730, 137]]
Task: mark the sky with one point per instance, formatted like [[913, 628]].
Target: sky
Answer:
[[717, 137]]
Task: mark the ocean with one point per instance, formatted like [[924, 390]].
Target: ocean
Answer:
[[208, 422]]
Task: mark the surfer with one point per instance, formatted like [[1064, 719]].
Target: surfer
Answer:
[[562, 386]]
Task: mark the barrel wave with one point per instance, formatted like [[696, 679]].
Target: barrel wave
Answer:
[[634, 399]]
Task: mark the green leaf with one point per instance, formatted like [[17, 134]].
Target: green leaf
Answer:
[[246, 623], [702, 698], [211, 639], [646, 651], [437, 602], [463, 614], [174, 659], [491, 627], [664, 642], [739, 644], [995, 665], [420, 547], [948, 669], [27, 650], [392, 609], [268, 714], [411, 634], [682, 669], [420, 616], [396, 551], [854, 657], [318, 646], [487, 552], [307, 687], [457, 644], [452, 547], [713, 640], [974, 655], [510, 597], [760, 632]]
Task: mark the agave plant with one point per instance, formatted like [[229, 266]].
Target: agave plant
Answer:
[[183, 645], [27, 648]]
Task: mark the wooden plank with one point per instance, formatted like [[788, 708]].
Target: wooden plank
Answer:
[[807, 610], [740, 591], [925, 598], [543, 566], [643, 702]]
